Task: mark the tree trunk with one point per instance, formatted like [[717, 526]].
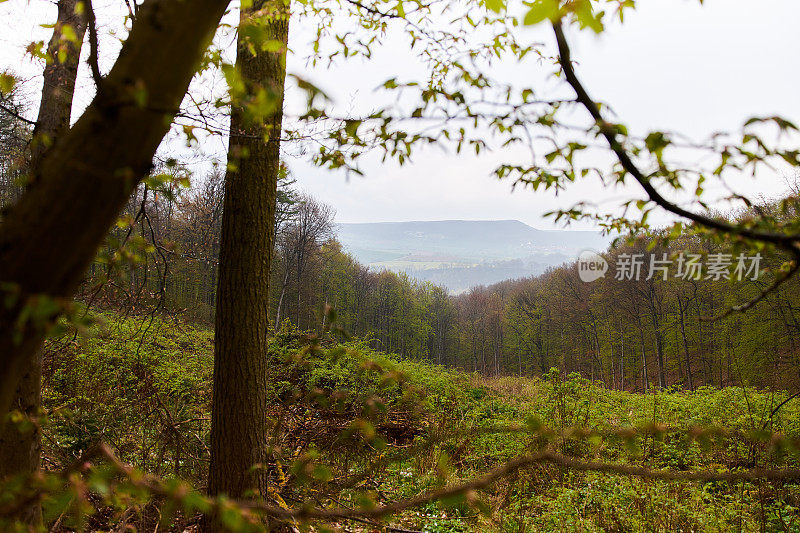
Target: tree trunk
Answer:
[[622, 361], [20, 451], [644, 355], [50, 236], [280, 300], [59, 80], [239, 418], [662, 379], [683, 311]]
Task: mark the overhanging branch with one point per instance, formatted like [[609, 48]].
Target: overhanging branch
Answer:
[[786, 242]]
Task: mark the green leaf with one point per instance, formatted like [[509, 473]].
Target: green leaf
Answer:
[[273, 45], [351, 127], [586, 17], [7, 83], [68, 34], [656, 142], [542, 10], [495, 5]]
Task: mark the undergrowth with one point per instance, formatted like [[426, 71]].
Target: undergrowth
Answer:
[[350, 424]]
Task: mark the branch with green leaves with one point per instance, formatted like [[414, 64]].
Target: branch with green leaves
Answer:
[[100, 471]]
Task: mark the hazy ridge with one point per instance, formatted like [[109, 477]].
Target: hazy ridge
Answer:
[[460, 254]]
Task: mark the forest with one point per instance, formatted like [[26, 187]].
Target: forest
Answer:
[[186, 345], [520, 327]]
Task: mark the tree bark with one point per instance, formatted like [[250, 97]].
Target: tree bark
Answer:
[[59, 79], [662, 379], [280, 300], [20, 451], [51, 235], [644, 355], [622, 361], [239, 418], [683, 310]]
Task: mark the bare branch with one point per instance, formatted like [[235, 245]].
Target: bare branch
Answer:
[[16, 115], [93, 46], [782, 278], [786, 242]]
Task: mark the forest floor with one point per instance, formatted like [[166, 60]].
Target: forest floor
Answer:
[[354, 427]]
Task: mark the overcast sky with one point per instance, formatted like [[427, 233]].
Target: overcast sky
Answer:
[[673, 65]]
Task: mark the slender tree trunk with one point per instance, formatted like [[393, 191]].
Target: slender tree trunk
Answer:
[[613, 369], [239, 418], [622, 361], [280, 300], [20, 451], [298, 297], [598, 355], [662, 379], [682, 310], [644, 355]]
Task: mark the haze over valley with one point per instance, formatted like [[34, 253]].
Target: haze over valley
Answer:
[[460, 254]]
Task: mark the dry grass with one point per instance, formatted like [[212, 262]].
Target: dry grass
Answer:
[[510, 388]]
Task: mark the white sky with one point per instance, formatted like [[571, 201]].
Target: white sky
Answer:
[[673, 65]]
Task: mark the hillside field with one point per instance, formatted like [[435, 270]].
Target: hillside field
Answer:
[[353, 425]]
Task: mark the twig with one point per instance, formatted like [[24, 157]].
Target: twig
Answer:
[[157, 487], [383, 526], [761, 295], [93, 46], [515, 465], [16, 115], [777, 408]]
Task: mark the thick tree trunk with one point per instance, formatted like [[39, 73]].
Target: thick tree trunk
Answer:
[[20, 450], [239, 418], [49, 238]]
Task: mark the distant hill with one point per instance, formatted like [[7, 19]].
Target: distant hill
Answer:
[[460, 254]]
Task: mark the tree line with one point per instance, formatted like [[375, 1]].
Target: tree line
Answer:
[[655, 330]]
